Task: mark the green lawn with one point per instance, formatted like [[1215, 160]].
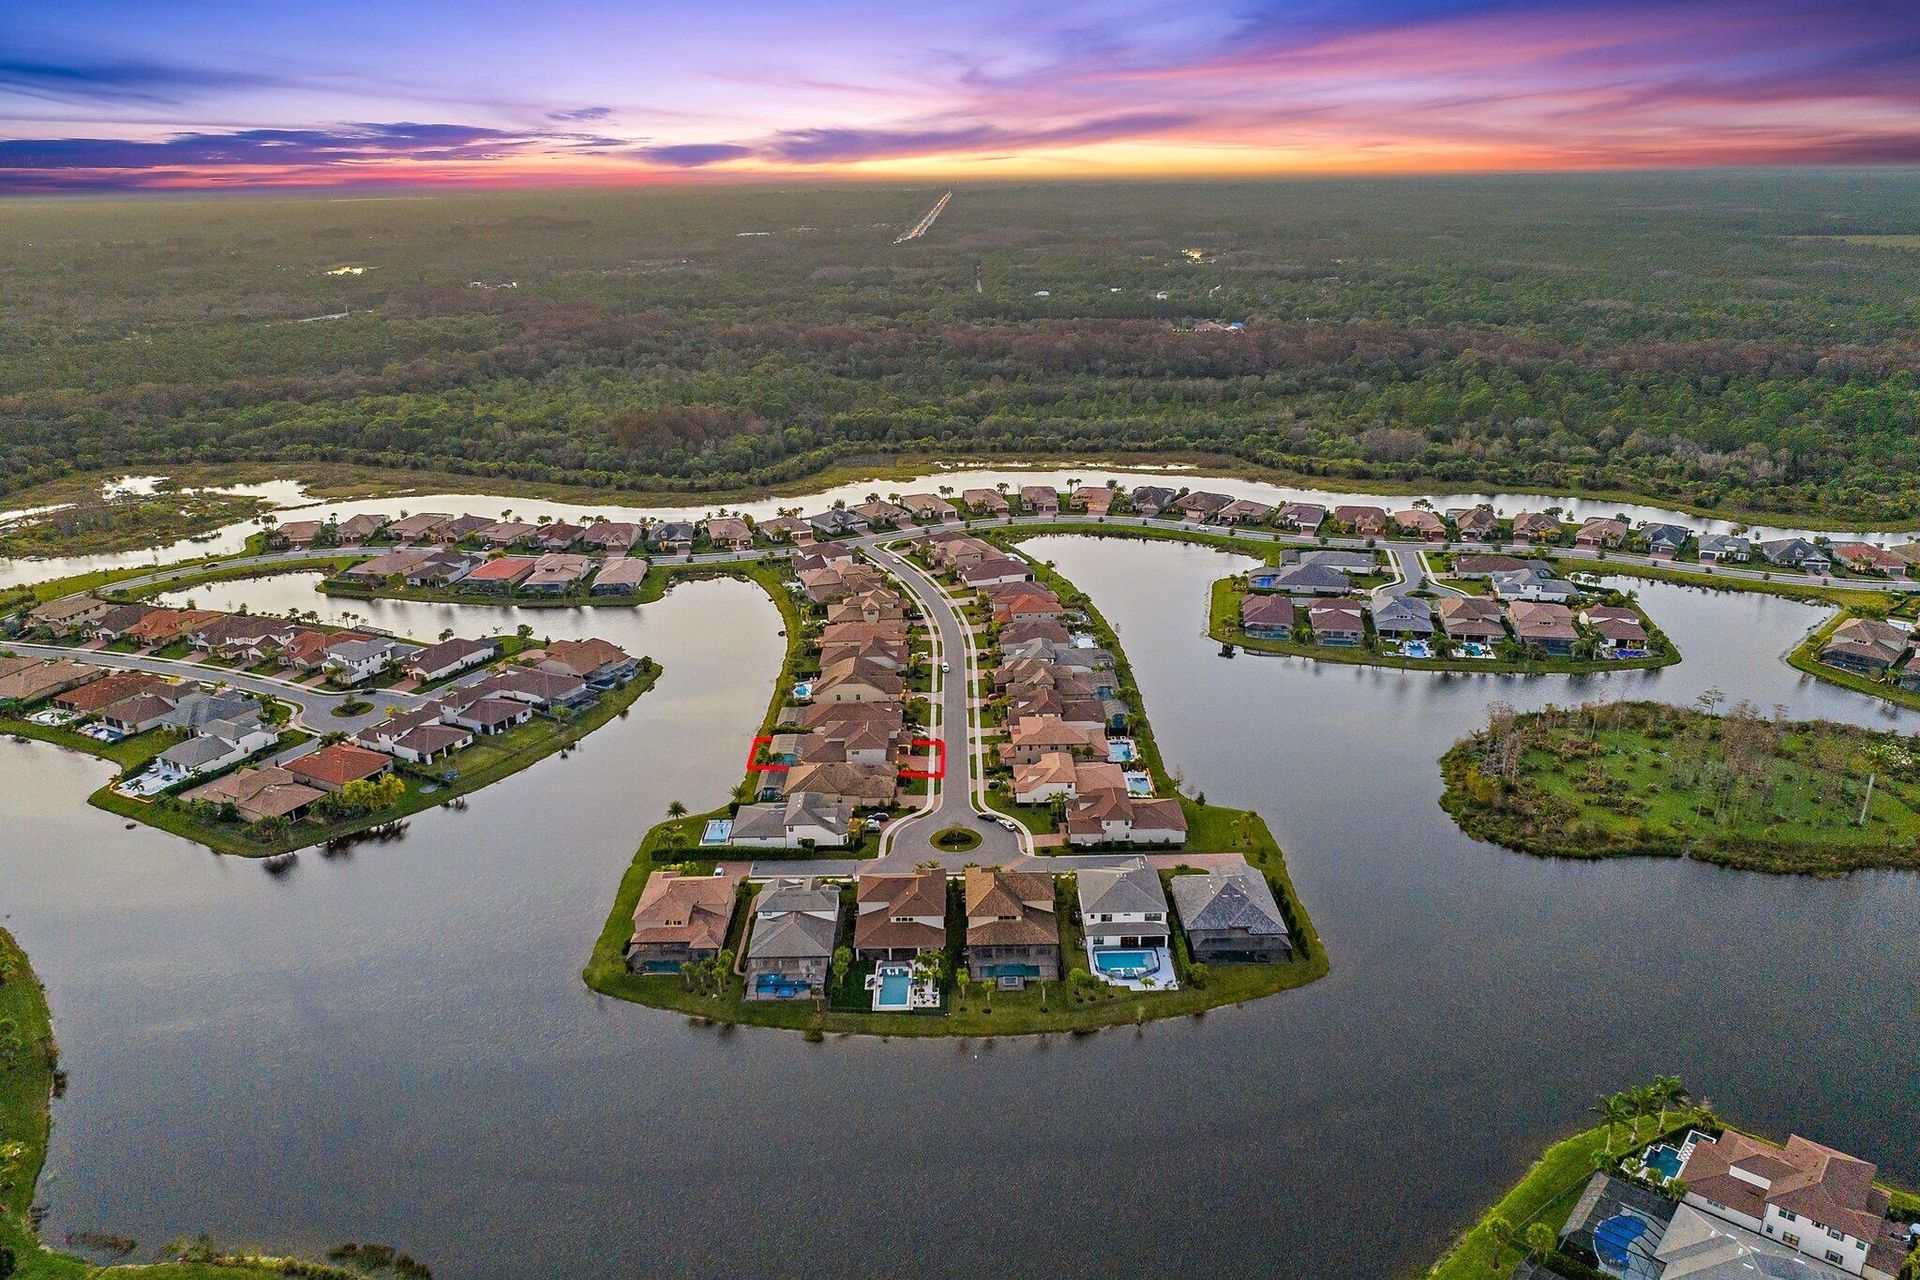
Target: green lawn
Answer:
[[1806, 657], [1647, 779]]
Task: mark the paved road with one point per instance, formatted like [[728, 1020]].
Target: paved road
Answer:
[[911, 840], [1058, 864], [313, 709]]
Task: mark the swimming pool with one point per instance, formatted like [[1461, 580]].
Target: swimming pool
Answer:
[[1126, 964], [1120, 751], [1662, 1161], [777, 986]]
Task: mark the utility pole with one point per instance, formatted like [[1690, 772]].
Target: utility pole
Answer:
[[977, 286]]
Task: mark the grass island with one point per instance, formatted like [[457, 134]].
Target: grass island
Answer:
[[1732, 787]]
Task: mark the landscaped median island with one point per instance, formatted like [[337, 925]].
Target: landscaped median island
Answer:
[[1184, 906], [30, 1078], [1737, 788], [1662, 1186]]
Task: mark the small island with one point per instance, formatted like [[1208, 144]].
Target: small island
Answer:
[[1733, 787]]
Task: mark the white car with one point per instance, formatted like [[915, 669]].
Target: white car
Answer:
[[945, 667]]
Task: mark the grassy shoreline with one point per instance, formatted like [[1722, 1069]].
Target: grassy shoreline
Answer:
[[1805, 658]]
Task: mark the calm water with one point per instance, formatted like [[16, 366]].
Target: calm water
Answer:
[[396, 1045]]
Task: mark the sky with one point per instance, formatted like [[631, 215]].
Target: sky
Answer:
[[129, 95]]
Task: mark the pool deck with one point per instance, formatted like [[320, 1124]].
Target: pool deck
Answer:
[[1161, 979]]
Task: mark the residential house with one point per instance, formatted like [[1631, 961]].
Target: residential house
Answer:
[[1230, 917], [1040, 499], [1543, 628], [505, 533], [1666, 541], [597, 661], [928, 507], [614, 537], [1724, 548], [1361, 521], [450, 657], [1242, 511], [1534, 582], [1537, 526], [536, 688], [900, 915], [730, 533], [94, 695], [787, 529], [142, 711], [1472, 619], [1301, 517], [1123, 909], [306, 649], [382, 568], [1338, 623], [1487, 565], [557, 573], [1797, 553], [1034, 736], [1351, 562], [1599, 532], [558, 536], [1620, 636], [681, 919], [985, 502], [1111, 816], [1403, 617], [419, 737], [357, 529], [259, 794], [837, 522], [796, 922], [855, 785], [1477, 524], [115, 622], [1820, 1202], [1866, 645], [672, 537], [351, 662], [1416, 522], [1151, 500], [296, 533], [1303, 580], [333, 767], [33, 681], [417, 528], [195, 707], [989, 573], [858, 680], [226, 744], [1095, 499], [877, 513], [802, 821], [1030, 606], [620, 575], [164, 627], [1013, 928], [1201, 504], [1267, 617], [1864, 557], [68, 614]]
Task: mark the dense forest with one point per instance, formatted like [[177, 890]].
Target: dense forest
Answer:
[[1742, 342]]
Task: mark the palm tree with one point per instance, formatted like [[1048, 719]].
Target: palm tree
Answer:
[[1670, 1093], [675, 809], [1610, 1110], [1500, 1232], [1541, 1240]]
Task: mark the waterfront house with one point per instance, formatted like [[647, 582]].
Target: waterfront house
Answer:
[[611, 536], [1301, 517], [800, 821], [837, 522], [211, 752], [1150, 499], [1095, 499], [1242, 511], [1267, 617], [557, 573], [787, 529], [505, 533], [1403, 617], [531, 685], [1418, 523], [1111, 816], [1013, 928], [33, 680], [1361, 521], [1303, 580], [1543, 628], [857, 786], [1230, 916], [730, 533], [357, 529], [987, 573], [985, 502], [1618, 636], [1040, 499], [900, 915], [680, 919], [1665, 541], [417, 528], [1864, 557], [1473, 619], [86, 699], [1810, 1198], [1867, 646], [1796, 553], [1600, 532], [450, 657], [672, 537], [857, 680], [558, 536], [1536, 526], [1124, 917], [489, 716], [1034, 736], [1201, 504], [597, 661], [620, 575], [1477, 524], [69, 614], [1485, 566], [114, 623], [1338, 623], [927, 506], [796, 922], [259, 794], [333, 767], [136, 714]]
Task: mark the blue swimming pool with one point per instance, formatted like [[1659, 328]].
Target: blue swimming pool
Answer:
[[1120, 751], [1663, 1160], [778, 987], [1125, 964], [894, 984]]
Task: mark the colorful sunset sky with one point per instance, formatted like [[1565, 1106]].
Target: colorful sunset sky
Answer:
[[116, 95]]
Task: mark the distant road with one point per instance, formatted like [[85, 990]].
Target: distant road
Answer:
[[925, 224]]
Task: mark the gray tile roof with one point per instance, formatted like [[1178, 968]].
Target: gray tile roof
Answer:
[[1240, 900], [1128, 889], [793, 936]]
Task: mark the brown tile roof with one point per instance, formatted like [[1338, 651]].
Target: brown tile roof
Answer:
[[339, 764], [694, 911], [584, 657], [94, 695], [258, 793], [1831, 1187], [1010, 908], [885, 897]]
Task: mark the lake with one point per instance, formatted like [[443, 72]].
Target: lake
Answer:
[[394, 1044]]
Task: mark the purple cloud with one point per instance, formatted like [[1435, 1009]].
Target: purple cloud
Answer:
[[831, 146], [693, 155]]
